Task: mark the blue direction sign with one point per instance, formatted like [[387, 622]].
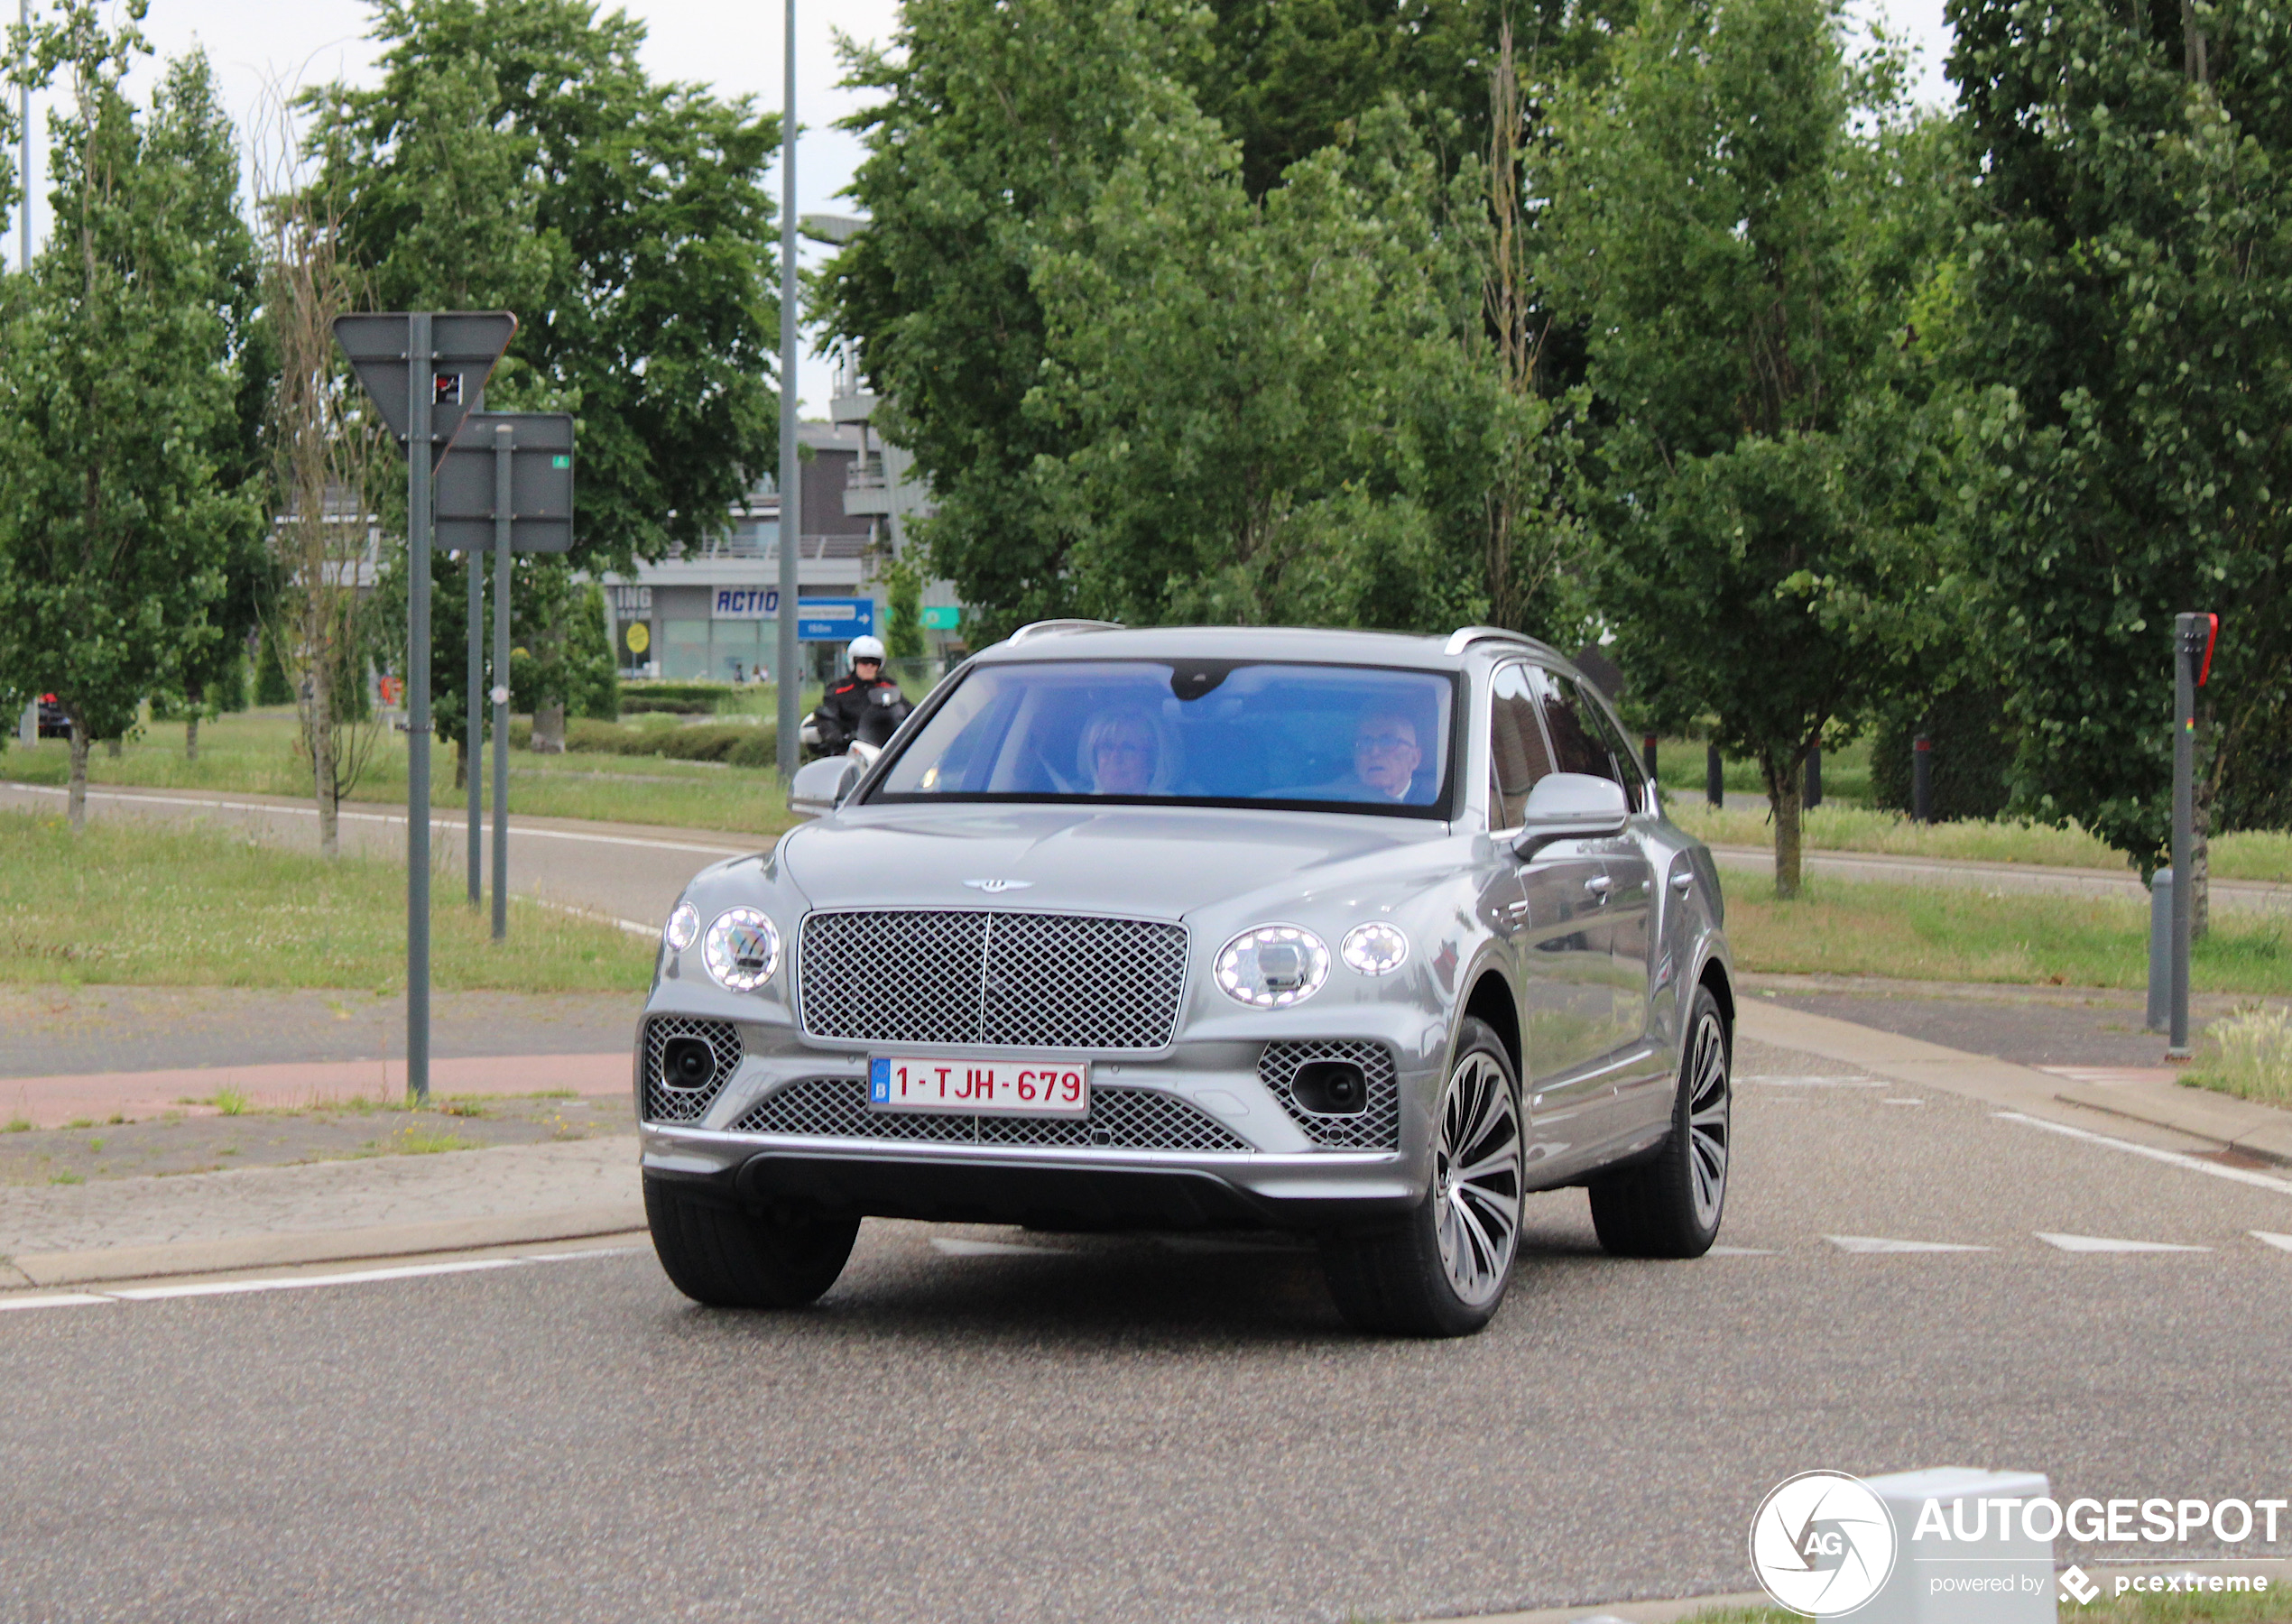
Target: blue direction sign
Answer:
[[834, 620]]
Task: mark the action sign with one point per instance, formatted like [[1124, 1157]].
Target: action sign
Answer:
[[834, 620], [463, 346], [541, 484]]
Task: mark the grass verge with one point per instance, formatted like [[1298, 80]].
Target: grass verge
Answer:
[[2249, 1055], [258, 752], [140, 905], [1957, 933], [2256, 854]]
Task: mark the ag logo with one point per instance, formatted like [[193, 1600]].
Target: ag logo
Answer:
[[1822, 1544]]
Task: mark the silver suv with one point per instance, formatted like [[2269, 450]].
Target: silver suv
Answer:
[[1357, 935]]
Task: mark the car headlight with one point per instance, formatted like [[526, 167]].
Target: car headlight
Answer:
[[1375, 948], [1273, 966], [743, 949], [683, 928]]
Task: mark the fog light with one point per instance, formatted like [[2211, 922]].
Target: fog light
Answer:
[[1375, 948], [686, 1064], [1330, 1088]]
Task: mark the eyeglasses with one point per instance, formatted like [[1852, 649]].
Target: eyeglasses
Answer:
[[1384, 743]]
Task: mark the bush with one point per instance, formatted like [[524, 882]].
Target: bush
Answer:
[[1972, 750], [735, 743], [705, 694], [2249, 1054], [635, 702]]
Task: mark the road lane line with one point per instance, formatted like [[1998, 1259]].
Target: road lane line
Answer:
[[2174, 1158], [153, 1293], [54, 1299], [955, 1247], [1738, 1251], [2281, 1242], [1880, 1243], [2104, 1243]]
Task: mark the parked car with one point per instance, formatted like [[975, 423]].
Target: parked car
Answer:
[[1363, 936]]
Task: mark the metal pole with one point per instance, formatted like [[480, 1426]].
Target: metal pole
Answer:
[[791, 503], [474, 726], [1714, 776], [420, 382], [2160, 952], [504, 437], [1922, 779], [2189, 642], [1647, 754], [24, 157]]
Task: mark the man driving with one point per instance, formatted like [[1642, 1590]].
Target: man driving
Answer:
[[1386, 755]]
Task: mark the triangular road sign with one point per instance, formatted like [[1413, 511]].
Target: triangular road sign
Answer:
[[463, 346]]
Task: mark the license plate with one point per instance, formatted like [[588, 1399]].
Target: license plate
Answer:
[[1004, 1087]]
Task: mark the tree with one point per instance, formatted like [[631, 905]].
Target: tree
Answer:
[[1729, 222], [114, 389], [2120, 317]]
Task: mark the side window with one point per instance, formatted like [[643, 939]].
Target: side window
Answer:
[[1627, 760], [1517, 752], [1578, 743]]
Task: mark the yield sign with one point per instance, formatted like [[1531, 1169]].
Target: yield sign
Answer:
[[463, 346]]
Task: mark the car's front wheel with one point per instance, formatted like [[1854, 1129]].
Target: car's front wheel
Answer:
[[1670, 1206], [727, 1258], [1442, 1271]]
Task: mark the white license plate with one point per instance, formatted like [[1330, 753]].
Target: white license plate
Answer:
[[1004, 1087]]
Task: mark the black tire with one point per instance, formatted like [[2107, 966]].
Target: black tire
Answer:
[[1401, 1279], [1670, 1206], [730, 1259]]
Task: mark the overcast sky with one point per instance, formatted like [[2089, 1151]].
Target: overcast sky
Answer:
[[735, 48]]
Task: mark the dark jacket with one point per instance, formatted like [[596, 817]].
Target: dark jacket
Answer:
[[870, 712]]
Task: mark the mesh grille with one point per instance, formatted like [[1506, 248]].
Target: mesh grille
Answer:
[[1025, 981], [1121, 1119], [1377, 1126], [663, 1104]]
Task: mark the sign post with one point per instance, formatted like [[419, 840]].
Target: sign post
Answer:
[[2194, 636], [504, 451], [790, 471], [424, 371]]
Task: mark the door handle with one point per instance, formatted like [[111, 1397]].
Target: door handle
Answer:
[[1684, 881], [1599, 885]]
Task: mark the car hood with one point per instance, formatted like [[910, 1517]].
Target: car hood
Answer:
[[1153, 863]]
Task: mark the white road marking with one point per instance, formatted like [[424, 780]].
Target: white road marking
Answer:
[[1901, 1101], [1817, 1082], [59, 1299], [1737, 1251], [2194, 1164], [386, 817], [2103, 1243], [2281, 1242], [352, 1277], [956, 1247], [1880, 1243]]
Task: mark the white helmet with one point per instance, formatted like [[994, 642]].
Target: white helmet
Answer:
[[865, 648]]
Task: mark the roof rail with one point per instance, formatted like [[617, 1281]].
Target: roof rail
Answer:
[[1464, 637], [1053, 628]]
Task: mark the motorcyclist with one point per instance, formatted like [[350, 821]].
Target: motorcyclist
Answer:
[[866, 705]]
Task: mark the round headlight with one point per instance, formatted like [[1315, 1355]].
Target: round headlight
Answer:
[[1273, 966], [1375, 948], [684, 927], [743, 949]]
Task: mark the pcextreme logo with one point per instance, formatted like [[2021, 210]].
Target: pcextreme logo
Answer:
[[1822, 1544]]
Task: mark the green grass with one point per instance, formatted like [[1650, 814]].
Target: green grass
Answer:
[[2253, 856], [1960, 934], [228, 1101], [2249, 1055], [143, 905], [257, 752]]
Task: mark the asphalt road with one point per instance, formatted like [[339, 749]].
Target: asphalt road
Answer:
[[984, 1424]]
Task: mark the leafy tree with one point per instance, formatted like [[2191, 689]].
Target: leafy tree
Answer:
[[1729, 221], [2121, 313], [114, 390]]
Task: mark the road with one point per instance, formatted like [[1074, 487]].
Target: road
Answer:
[[981, 1424]]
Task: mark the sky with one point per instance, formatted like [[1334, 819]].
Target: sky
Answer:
[[259, 45]]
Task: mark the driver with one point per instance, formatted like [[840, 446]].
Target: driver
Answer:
[[866, 705], [1121, 752], [1385, 755]]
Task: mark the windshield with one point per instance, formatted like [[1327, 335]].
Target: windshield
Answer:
[[1196, 732]]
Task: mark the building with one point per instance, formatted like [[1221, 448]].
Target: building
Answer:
[[713, 613]]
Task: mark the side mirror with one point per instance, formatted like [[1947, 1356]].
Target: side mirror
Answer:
[[1571, 806], [821, 786]]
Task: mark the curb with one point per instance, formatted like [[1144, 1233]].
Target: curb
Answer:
[[2221, 1120], [1619, 1613], [325, 1246]]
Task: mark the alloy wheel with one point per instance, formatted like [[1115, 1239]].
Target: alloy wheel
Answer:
[[1708, 1101], [1476, 1179]]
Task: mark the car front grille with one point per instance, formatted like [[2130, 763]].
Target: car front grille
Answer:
[[1121, 1118], [663, 1104], [1376, 1127], [976, 977]]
